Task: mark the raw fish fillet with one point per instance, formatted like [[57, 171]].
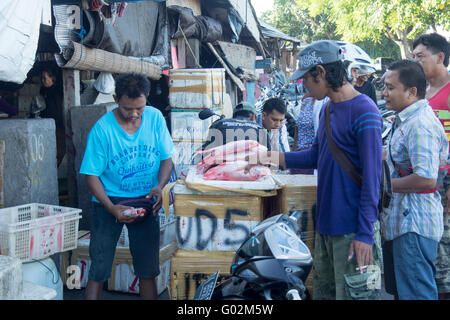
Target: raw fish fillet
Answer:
[[234, 171], [232, 151]]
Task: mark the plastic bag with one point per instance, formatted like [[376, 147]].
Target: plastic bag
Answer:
[[105, 83]]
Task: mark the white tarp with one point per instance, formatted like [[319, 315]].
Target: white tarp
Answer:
[[19, 34]]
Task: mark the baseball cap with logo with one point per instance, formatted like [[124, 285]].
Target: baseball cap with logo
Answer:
[[319, 52], [245, 106]]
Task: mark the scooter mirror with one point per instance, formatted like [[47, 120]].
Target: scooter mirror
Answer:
[[205, 114]]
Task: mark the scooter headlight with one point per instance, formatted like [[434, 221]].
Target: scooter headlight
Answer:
[[285, 244]]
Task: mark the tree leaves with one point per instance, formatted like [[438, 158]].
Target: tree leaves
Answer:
[[400, 20]]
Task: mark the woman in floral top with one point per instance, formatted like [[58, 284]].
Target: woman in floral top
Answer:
[[305, 130]]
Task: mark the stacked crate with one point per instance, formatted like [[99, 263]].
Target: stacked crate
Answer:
[[122, 277], [190, 91], [210, 228]]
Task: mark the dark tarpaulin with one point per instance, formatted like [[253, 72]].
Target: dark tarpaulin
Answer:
[[141, 31], [58, 2], [204, 28], [130, 35]]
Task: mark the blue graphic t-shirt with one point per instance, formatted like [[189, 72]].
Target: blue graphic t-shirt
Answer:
[[127, 164]]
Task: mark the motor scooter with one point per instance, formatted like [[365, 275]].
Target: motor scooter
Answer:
[[271, 264]]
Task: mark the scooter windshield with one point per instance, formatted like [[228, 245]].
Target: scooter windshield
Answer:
[[285, 244]]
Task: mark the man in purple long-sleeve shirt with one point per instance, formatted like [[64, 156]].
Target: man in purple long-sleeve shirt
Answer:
[[5, 107], [346, 216]]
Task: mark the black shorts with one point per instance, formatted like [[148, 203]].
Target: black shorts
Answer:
[[105, 233]]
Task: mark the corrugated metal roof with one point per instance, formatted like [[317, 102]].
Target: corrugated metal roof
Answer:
[[270, 31]]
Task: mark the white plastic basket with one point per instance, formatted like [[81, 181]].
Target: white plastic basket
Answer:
[[36, 231]]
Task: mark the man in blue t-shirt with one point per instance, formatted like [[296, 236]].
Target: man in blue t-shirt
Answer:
[[346, 216], [127, 162]]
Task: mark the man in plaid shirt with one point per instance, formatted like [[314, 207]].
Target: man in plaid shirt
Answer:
[[413, 224]]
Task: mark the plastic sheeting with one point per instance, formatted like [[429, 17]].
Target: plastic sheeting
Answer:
[[19, 34]]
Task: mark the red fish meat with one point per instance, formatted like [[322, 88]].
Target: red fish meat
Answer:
[[232, 151], [235, 171]]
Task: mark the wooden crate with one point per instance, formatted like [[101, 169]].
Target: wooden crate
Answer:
[[191, 268], [188, 201], [299, 193], [218, 221]]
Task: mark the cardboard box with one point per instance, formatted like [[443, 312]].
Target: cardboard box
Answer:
[[191, 268]]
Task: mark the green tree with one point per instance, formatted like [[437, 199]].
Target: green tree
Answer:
[[288, 17], [398, 20], [383, 48], [295, 19]]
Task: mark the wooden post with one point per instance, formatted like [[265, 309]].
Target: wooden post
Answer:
[[284, 54], [2, 174], [193, 61], [181, 51], [71, 82], [235, 79]]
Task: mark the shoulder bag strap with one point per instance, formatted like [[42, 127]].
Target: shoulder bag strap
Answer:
[[339, 156]]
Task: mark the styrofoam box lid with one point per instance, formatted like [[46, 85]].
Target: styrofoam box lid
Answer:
[[265, 183], [209, 70], [183, 189]]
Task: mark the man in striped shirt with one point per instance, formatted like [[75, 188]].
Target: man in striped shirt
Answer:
[[413, 223]]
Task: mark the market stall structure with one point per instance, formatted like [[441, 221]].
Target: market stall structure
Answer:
[[197, 54]]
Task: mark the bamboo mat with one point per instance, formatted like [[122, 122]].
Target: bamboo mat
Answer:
[[81, 57]]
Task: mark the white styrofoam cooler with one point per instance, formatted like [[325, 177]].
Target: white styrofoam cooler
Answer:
[[187, 126], [126, 281], [183, 156], [197, 88]]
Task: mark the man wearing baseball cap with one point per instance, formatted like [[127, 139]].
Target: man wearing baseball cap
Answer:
[[346, 215]]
